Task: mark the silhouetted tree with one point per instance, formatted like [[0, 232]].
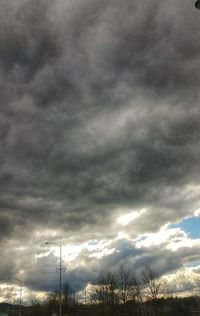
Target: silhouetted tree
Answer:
[[154, 288], [127, 285], [68, 295], [105, 288], [53, 301]]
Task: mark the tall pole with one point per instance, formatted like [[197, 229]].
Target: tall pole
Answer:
[[20, 300], [20, 295], [85, 295], [60, 272], [60, 310]]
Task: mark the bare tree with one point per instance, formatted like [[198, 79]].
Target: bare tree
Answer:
[[68, 295], [128, 286], [154, 288], [153, 285], [53, 301], [105, 288]]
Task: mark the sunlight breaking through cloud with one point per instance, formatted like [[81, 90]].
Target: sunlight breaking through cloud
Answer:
[[129, 217]]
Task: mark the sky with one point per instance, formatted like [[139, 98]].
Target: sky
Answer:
[[99, 134]]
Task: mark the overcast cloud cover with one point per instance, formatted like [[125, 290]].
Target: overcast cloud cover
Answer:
[[99, 118]]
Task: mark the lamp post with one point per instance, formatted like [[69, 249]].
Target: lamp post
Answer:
[[60, 280], [20, 296]]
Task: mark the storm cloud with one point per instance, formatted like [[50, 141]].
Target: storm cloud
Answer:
[[99, 116]]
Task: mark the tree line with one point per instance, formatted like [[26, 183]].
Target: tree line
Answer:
[[116, 293]]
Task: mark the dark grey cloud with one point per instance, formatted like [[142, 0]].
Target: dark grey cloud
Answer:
[[99, 113]]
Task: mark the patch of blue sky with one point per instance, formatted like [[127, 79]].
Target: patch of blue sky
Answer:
[[192, 264], [190, 225], [93, 242], [141, 237]]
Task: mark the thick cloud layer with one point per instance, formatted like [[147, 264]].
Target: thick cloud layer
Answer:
[[99, 117]]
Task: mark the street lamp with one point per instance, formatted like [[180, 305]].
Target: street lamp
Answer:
[[60, 270], [20, 296]]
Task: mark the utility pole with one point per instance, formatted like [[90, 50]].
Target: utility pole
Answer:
[[60, 275], [60, 269], [20, 295]]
